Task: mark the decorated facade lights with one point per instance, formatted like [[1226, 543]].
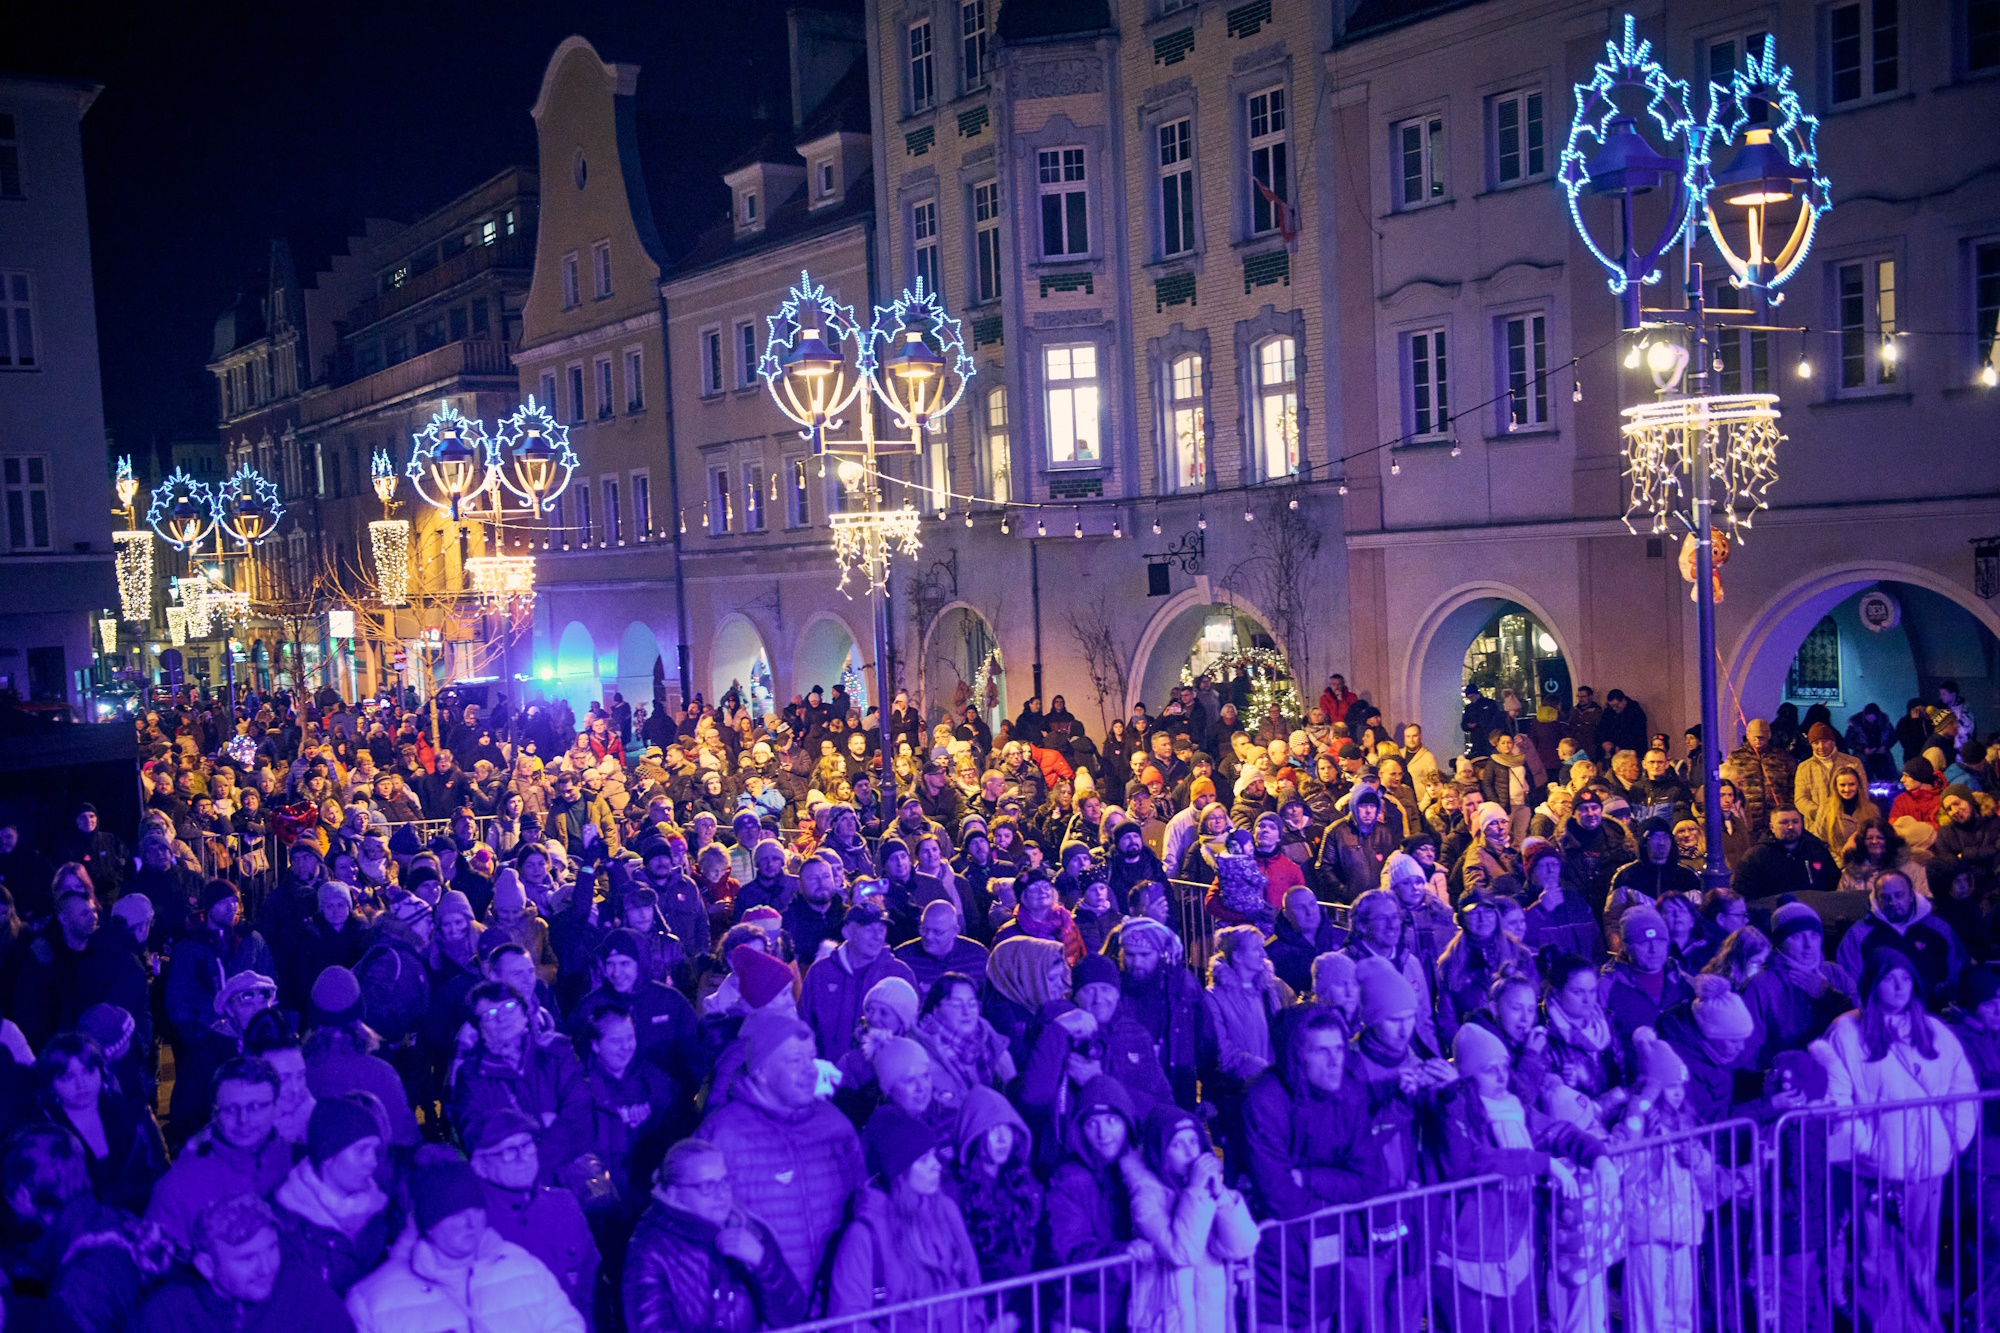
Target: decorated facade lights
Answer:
[[389, 538], [1689, 451], [912, 364], [177, 632], [107, 633]]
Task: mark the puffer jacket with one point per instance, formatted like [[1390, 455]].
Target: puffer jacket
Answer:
[[830, 1002], [1489, 1224], [676, 1281], [794, 1170], [505, 1287], [1899, 1145], [1765, 777]]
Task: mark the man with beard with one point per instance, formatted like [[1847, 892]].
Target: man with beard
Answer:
[[1132, 863], [1899, 919], [1593, 847], [1166, 999], [1788, 860]]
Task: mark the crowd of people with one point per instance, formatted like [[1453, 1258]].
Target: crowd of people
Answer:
[[399, 1018]]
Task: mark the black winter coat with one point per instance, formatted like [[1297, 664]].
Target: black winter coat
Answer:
[[676, 1281]]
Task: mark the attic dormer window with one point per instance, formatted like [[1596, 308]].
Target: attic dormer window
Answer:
[[749, 208], [825, 172]]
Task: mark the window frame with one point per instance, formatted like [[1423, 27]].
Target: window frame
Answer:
[[1435, 353], [613, 510], [721, 501], [753, 475], [708, 348], [744, 335], [920, 64], [1194, 403], [17, 311], [988, 260], [1738, 41], [1869, 338], [1867, 40], [1265, 395], [926, 247], [548, 382], [1526, 98], [585, 533], [798, 492], [1045, 369], [577, 404], [25, 492], [1434, 150], [1732, 346], [642, 503], [1276, 145], [975, 54], [1539, 414], [634, 359], [1962, 40], [572, 281], [12, 186], [1973, 247], [1068, 189], [600, 271], [826, 179], [996, 446], [1183, 213]]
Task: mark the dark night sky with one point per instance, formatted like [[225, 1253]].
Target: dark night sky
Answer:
[[223, 126]]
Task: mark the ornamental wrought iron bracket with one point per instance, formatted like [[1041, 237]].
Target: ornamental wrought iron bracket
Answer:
[[1189, 553]]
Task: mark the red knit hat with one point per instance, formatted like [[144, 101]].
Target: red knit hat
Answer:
[[759, 976]]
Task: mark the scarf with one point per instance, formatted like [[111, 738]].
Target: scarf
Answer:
[[1812, 980], [1509, 1120], [1593, 1034], [967, 1057], [1019, 970], [305, 1193]]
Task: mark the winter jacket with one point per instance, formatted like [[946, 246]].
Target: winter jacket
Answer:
[[635, 1119], [1003, 1211], [868, 1269], [795, 1170], [1812, 786], [1765, 777], [1715, 1091], [1630, 1008], [86, 1272], [202, 961], [1122, 1048], [676, 1281], [117, 970], [1350, 862], [1196, 1233], [1771, 868], [663, 1020], [1570, 928], [1899, 1145], [1481, 867], [833, 991], [1089, 1210], [1169, 1007], [137, 1156], [1490, 1226], [337, 1252], [967, 956], [300, 1302], [1978, 841], [1788, 1016], [1925, 939], [504, 1287], [548, 1223], [1592, 857], [548, 1088], [211, 1170], [1292, 954]]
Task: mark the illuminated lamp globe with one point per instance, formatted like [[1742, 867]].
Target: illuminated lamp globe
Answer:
[[810, 357], [1762, 173], [916, 365], [851, 472], [185, 521], [454, 464], [1627, 164], [534, 463], [1660, 358]]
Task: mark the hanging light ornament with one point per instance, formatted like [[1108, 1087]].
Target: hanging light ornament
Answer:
[[1660, 443], [192, 593], [247, 506], [502, 579], [390, 538], [177, 632], [864, 544], [135, 572], [107, 634], [183, 511]]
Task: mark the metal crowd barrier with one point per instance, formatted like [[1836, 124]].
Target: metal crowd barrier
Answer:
[[1089, 1297]]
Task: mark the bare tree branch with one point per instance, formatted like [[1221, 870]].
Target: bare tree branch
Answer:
[[1275, 575], [1104, 657]]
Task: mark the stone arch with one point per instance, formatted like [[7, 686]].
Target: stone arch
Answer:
[[1433, 675], [827, 646], [638, 649], [736, 656], [576, 668], [947, 659], [1764, 651], [1164, 643]]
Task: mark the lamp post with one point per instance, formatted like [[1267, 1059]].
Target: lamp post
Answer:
[[1684, 446], [807, 376]]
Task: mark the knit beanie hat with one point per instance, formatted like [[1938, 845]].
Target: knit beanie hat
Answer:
[[1094, 968], [1963, 793], [410, 909], [763, 1034], [1820, 731], [1920, 769], [337, 1123], [1339, 968], [445, 1189], [107, 1025], [1660, 1064], [1792, 918], [894, 1140], [898, 1058], [454, 902], [1487, 813], [1719, 1011], [899, 995], [335, 998], [404, 841], [491, 1130], [1642, 921], [333, 890], [759, 976], [239, 983], [1476, 1050], [215, 891], [1880, 963], [625, 942], [1385, 992], [1201, 791]]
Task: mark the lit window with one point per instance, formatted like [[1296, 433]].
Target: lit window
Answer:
[[721, 505], [753, 497], [1520, 152], [571, 295], [489, 232], [924, 243], [972, 43], [27, 486], [749, 208], [1865, 296], [1177, 187], [711, 361], [1427, 384], [999, 461], [1277, 408], [798, 503], [1864, 49], [986, 237], [1187, 425], [642, 504], [1986, 302], [1270, 182], [17, 323], [1065, 202], [1071, 373], [1525, 348], [1420, 155], [923, 71], [613, 512], [826, 180]]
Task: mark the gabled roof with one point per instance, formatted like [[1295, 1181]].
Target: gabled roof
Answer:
[[774, 148]]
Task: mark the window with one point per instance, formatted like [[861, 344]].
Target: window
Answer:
[[549, 392], [489, 232], [1865, 296], [1427, 384], [576, 393], [1745, 354], [720, 506], [1519, 151], [1269, 179], [1986, 301], [999, 460], [824, 174], [711, 361], [603, 368], [1277, 408], [600, 269], [1177, 187], [1187, 422], [1982, 43], [642, 504], [746, 355], [923, 72], [10, 158], [1065, 202], [17, 323], [27, 477], [1725, 57], [482, 323], [1863, 51], [798, 502], [507, 222], [583, 529], [613, 512], [753, 497], [572, 297], [972, 43], [986, 237], [924, 243], [1814, 676], [1071, 373], [1524, 349], [635, 381], [1420, 151]]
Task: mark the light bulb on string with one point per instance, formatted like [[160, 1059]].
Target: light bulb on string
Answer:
[[1989, 375], [968, 516], [1805, 366], [1041, 528], [1294, 504], [1077, 514], [1454, 447], [1889, 350], [1201, 521], [1248, 517], [1117, 528], [684, 528], [1575, 383], [1006, 525], [1343, 488], [1156, 524], [1395, 467], [1632, 357]]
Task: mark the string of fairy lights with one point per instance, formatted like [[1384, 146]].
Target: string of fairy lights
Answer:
[[964, 507]]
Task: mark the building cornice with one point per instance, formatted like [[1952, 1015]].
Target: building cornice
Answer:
[[597, 337]]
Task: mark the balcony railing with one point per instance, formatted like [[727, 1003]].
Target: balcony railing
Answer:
[[516, 251], [472, 357]]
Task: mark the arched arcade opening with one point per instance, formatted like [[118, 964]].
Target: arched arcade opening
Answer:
[[576, 669], [1193, 635], [962, 666], [828, 656], [1490, 640], [740, 660], [641, 661]]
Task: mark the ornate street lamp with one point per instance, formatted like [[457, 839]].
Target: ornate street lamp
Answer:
[[183, 511], [453, 462], [534, 458], [247, 506]]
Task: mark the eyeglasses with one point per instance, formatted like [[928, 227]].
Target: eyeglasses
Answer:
[[714, 1187], [238, 1110], [494, 1011], [510, 1151]]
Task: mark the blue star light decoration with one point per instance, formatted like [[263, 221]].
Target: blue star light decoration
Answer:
[[248, 506], [446, 426], [1763, 79], [1629, 66], [921, 312], [814, 403], [532, 438], [183, 510]]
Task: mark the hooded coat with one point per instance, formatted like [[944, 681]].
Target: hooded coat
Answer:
[[1089, 1208], [1925, 939], [1196, 1230], [1903, 1145]]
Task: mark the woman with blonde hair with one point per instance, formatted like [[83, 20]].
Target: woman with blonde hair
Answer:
[[1846, 808]]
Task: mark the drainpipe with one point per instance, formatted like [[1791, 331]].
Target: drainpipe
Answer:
[[1035, 597], [684, 658]]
